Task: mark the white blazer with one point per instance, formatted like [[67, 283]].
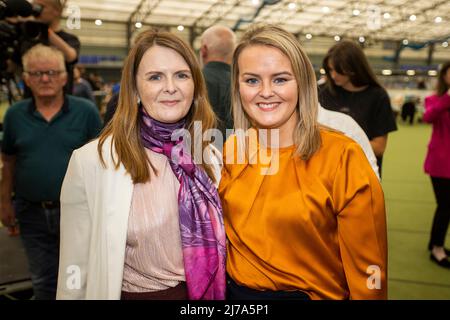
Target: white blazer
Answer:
[[95, 205]]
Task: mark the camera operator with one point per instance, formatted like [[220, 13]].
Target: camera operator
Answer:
[[66, 42], [38, 23]]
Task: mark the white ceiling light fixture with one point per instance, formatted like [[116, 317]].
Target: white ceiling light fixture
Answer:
[[405, 41], [386, 72], [438, 19], [432, 73], [292, 5], [410, 72], [445, 44], [361, 39], [138, 25], [308, 36], [180, 28], [98, 22], [413, 17], [356, 12], [337, 38], [387, 15], [255, 2], [325, 9]]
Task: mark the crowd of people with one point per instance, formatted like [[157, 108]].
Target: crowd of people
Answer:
[[146, 206]]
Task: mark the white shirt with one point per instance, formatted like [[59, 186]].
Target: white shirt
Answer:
[[344, 123]]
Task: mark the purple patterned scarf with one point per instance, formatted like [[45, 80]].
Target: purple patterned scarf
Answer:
[[201, 221]]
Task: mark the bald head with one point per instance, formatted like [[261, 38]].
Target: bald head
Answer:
[[217, 44]]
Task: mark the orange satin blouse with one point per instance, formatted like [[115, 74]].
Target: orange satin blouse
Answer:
[[318, 225]]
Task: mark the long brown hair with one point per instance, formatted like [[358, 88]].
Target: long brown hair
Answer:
[[349, 59], [442, 86], [124, 128], [306, 135]]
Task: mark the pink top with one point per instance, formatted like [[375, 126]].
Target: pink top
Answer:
[[437, 112], [153, 254]]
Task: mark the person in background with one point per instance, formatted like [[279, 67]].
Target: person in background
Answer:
[[67, 43], [39, 135], [81, 87], [353, 88], [437, 164], [216, 50], [141, 218], [409, 109], [312, 223]]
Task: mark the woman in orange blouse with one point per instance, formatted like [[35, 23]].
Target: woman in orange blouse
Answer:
[[304, 212]]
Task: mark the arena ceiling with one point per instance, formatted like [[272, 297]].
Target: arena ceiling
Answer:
[[411, 20]]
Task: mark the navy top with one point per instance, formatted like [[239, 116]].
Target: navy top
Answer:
[[42, 148]]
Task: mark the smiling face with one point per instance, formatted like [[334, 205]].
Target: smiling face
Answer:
[[165, 85], [268, 88]]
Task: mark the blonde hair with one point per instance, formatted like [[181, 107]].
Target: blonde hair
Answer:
[[306, 134], [124, 128], [41, 52]]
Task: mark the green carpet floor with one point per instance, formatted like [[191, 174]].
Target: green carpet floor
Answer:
[[410, 207]]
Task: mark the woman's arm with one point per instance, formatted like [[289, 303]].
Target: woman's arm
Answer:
[[435, 106], [75, 233], [359, 202]]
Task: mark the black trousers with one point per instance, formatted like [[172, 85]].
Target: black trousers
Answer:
[[237, 292], [441, 187]]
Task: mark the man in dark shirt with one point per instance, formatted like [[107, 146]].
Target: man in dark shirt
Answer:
[[39, 135], [217, 47]]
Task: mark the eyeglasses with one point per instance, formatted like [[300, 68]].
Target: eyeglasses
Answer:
[[49, 73]]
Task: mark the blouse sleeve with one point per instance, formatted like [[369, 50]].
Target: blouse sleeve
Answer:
[[434, 106], [361, 217]]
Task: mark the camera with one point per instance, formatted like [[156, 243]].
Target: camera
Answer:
[[16, 37]]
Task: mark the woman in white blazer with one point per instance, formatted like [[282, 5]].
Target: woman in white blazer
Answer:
[[140, 216]]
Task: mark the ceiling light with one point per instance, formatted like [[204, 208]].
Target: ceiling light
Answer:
[[356, 12], [362, 39], [180, 28], [387, 15], [386, 72], [445, 44], [255, 2], [337, 38], [432, 73], [292, 5], [410, 72], [325, 9], [138, 25], [98, 22], [412, 17], [308, 36], [405, 41], [438, 19]]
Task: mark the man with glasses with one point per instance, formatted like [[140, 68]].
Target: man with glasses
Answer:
[[39, 136]]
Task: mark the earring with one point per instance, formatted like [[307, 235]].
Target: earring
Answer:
[[139, 101]]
